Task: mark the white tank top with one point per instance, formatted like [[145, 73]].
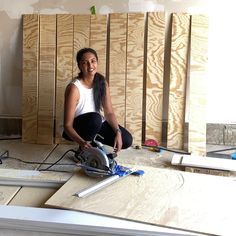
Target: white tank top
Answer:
[[86, 100]]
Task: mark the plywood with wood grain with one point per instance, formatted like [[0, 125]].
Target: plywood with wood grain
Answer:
[[161, 197], [81, 37], [64, 66], [32, 196], [98, 39], [30, 78], [117, 63], [33, 176], [7, 193], [133, 64], [178, 78], [154, 75], [197, 85], [47, 62], [134, 79]]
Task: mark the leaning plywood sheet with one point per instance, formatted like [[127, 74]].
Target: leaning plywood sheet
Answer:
[[197, 85], [7, 193], [162, 197], [30, 78], [117, 63], [64, 66], [154, 80], [81, 37], [98, 37], [46, 87], [134, 79], [178, 76]]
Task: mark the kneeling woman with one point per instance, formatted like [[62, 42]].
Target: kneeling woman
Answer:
[[85, 97]]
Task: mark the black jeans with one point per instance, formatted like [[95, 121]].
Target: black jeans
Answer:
[[89, 124]]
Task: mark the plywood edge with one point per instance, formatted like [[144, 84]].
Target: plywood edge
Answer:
[[14, 177]]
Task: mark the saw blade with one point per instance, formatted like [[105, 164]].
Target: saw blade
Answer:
[[95, 158]]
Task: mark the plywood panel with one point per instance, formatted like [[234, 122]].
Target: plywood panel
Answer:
[[154, 75], [47, 56], [7, 193], [198, 85], [178, 75], [31, 176], [30, 78], [134, 83], [32, 196], [98, 39], [81, 37], [162, 197], [64, 66], [117, 63]]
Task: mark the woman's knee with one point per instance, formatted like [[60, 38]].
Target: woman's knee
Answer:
[[87, 125], [127, 140]]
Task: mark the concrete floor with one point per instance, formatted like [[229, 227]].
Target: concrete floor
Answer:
[[39, 154]]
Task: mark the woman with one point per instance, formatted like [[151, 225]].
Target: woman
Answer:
[[85, 97]]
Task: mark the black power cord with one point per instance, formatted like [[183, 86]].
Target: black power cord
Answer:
[[223, 150], [159, 148], [5, 155], [56, 162]]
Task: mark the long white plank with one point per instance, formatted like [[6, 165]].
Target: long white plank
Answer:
[[61, 222], [204, 162]]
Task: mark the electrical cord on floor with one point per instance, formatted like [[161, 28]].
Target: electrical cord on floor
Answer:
[[222, 150], [56, 162], [159, 148], [5, 155]]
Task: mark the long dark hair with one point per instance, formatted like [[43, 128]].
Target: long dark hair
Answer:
[[99, 81]]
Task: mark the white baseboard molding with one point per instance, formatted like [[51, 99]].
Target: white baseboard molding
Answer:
[[204, 162], [44, 221]]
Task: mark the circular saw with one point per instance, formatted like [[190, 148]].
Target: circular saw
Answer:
[[95, 161]]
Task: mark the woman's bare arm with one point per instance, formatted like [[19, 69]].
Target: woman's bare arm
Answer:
[[71, 100], [111, 119]]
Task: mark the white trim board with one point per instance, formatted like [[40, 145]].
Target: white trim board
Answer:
[[34, 178], [77, 223], [204, 162]]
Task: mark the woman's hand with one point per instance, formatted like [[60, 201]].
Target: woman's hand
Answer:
[[85, 145], [118, 142]]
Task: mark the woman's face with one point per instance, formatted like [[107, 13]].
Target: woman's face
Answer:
[[88, 64]]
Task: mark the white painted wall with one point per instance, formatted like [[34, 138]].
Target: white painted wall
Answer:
[[221, 82]]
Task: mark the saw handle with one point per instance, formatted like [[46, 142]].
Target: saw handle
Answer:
[[112, 155]]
